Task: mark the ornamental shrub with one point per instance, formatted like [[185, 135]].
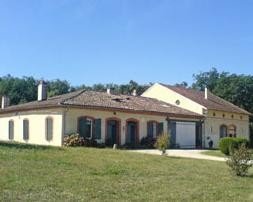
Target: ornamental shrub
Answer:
[[240, 160], [162, 142], [227, 145], [74, 140], [148, 142]]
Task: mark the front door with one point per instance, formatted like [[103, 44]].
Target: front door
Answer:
[[131, 132], [112, 132]]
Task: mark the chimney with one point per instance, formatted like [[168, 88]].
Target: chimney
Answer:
[[134, 92], [206, 96], [108, 91], [5, 102], [42, 91]]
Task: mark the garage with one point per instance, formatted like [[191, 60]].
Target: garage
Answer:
[[184, 134]]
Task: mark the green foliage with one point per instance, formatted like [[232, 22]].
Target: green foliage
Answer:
[[227, 145], [74, 140], [57, 87], [162, 142], [240, 161], [21, 90], [206, 79], [224, 145], [148, 142]]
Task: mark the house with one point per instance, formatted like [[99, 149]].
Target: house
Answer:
[[222, 118], [120, 119]]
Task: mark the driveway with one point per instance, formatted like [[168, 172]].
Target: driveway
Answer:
[[185, 153]]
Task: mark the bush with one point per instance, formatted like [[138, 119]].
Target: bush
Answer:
[[74, 140], [162, 142], [227, 145], [148, 142], [240, 161]]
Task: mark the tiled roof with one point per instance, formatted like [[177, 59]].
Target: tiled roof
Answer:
[[102, 100], [212, 102]]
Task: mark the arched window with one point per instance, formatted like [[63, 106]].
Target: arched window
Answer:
[[232, 131], [223, 131], [26, 129], [11, 130], [49, 128]]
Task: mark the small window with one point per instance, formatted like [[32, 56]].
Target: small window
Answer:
[[232, 116], [177, 102], [223, 115], [49, 128], [26, 129], [214, 114], [11, 130], [241, 117]]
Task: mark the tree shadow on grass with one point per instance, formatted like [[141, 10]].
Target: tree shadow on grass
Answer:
[[15, 145]]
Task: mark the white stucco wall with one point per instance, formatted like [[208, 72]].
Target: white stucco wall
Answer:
[[72, 115], [162, 93], [37, 129], [212, 125]]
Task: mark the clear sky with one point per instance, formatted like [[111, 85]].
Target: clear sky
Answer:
[[114, 41]]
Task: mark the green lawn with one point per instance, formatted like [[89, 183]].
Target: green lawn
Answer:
[[86, 174], [217, 153]]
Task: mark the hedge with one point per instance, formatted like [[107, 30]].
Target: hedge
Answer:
[[227, 145]]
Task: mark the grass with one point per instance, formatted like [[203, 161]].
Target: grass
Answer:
[[216, 153], [86, 174]]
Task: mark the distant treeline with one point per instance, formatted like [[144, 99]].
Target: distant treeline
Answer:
[[235, 88]]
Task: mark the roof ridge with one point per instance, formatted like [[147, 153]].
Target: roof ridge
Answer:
[[79, 93]]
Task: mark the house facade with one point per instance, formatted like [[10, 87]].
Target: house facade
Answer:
[[221, 118], [108, 118]]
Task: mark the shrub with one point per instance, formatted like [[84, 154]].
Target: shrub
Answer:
[[240, 161], [148, 142], [74, 140], [227, 145], [162, 142]]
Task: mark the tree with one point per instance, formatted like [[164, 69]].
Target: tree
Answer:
[[58, 87], [206, 79]]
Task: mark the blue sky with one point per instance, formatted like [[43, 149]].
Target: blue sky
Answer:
[[114, 41]]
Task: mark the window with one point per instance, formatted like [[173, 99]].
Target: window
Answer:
[[89, 127], [49, 128], [223, 131], [11, 130], [85, 127], [26, 129], [152, 129]]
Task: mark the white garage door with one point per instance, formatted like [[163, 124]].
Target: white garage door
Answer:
[[186, 134]]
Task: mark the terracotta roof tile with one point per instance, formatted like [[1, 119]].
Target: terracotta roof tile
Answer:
[[101, 100], [212, 102]]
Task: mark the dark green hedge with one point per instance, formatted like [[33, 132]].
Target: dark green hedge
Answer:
[[227, 145]]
